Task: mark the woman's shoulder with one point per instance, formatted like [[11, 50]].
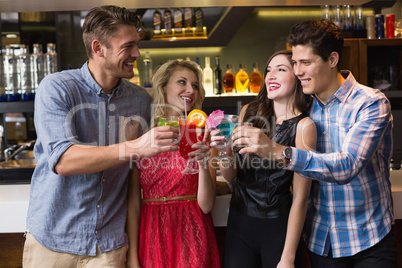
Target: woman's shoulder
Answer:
[[306, 120], [306, 124], [307, 132]]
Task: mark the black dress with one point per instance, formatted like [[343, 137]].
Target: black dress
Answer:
[[260, 205]]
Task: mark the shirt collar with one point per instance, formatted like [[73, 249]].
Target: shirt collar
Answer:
[[94, 86], [346, 88]]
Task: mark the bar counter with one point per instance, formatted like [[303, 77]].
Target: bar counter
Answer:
[[14, 199]]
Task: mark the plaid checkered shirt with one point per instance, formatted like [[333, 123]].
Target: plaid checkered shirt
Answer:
[[350, 204]]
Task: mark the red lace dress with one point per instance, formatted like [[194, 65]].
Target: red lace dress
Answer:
[[177, 233]]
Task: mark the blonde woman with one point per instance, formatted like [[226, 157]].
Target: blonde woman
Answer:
[[173, 228]]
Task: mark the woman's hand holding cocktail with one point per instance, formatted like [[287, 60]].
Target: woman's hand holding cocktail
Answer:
[[217, 141], [201, 153]]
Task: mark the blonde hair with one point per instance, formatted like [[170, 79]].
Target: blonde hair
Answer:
[[160, 80]]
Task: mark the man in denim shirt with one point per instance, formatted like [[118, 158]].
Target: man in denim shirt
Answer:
[[88, 122]]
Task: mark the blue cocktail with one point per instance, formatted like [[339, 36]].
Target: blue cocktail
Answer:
[[226, 128]]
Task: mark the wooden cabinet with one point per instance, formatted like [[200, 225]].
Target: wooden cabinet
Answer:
[[376, 63]]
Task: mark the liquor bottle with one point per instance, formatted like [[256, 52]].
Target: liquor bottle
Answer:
[[178, 20], [208, 78], [229, 79], [167, 21], [24, 67], [50, 59], [199, 20], [157, 22], [10, 74], [358, 18], [147, 71], [337, 16], [188, 20], [347, 18], [255, 79], [242, 80], [218, 77], [37, 67], [142, 32], [136, 78]]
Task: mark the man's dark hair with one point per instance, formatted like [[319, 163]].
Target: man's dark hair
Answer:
[[322, 35]]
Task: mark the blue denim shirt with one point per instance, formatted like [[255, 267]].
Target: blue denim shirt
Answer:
[[75, 213]]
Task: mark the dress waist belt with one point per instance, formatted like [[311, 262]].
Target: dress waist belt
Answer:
[[174, 198]]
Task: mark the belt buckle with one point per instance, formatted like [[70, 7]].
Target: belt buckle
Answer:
[[163, 199]]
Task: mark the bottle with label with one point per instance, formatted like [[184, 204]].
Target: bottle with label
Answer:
[[255, 79], [157, 22], [167, 21], [24, 80], [136, 78], [147, 71], [218, 77], [199, 20], [10, 74], [50, 59], [188, 20], [178, 20], [242, 80], [208, 78], [37, 67], [229, 80]]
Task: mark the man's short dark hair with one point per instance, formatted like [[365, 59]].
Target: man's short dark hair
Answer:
[[322, 35]]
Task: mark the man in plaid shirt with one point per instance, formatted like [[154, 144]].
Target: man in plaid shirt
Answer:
[[350, 216]]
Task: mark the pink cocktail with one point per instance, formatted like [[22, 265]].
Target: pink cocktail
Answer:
[[188, 138]]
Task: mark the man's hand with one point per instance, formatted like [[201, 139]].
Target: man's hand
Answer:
[[157, 140], [257, 142]]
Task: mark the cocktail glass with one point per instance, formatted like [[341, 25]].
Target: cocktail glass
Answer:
[[168, 121], [237, 148], [226, 127], [188, 137]]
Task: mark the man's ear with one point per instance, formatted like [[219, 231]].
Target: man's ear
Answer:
[[97, 48], [334, 59]]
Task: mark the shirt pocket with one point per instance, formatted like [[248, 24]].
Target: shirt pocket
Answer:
[[339, 127], [129, 128]]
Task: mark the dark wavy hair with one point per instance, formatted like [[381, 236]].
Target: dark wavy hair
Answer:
[[103, 23], [322, 35], [260, 111]]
